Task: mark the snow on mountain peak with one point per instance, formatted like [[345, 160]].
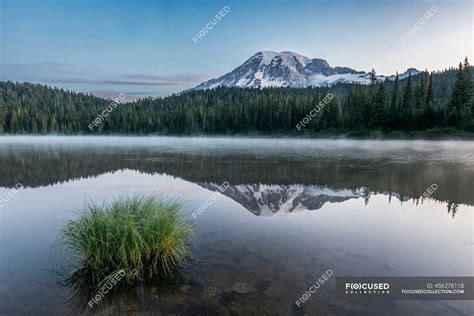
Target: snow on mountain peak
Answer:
[[288, 58], [268, 200], [266, 57], [289, 69]]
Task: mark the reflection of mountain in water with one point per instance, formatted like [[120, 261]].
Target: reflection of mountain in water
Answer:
[[267, 200], [320, 179]]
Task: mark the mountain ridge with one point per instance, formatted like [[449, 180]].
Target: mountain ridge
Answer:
[[290, 69]]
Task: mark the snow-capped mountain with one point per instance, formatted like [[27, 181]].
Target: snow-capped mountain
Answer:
[[289, 69], [267, 200]]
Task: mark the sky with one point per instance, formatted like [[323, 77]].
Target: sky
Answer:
[[150, 48]]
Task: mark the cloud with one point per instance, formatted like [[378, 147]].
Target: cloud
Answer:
[[162, 83], [35, 66], [63, 73], [182, 78], [140, 80], [130, 96]]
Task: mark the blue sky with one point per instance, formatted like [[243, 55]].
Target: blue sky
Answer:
[[146, 48]]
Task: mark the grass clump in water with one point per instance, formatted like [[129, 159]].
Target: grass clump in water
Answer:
[[144, 236]]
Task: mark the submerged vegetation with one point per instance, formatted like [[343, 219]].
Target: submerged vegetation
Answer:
[[144, 236]]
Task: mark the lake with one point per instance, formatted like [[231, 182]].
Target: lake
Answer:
[[293, 209]]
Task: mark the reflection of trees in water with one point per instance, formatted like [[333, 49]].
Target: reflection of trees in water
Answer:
[[452, 208], [121, 298], [41, 167]]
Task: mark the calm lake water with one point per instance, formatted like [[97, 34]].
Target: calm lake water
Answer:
[[293, 210]]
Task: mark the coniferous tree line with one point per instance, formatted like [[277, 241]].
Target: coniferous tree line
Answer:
[[417, 103]]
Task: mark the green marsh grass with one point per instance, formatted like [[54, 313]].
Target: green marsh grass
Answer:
[[146, 236]]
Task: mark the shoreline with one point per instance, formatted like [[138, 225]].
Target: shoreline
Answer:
[[429, 135]]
